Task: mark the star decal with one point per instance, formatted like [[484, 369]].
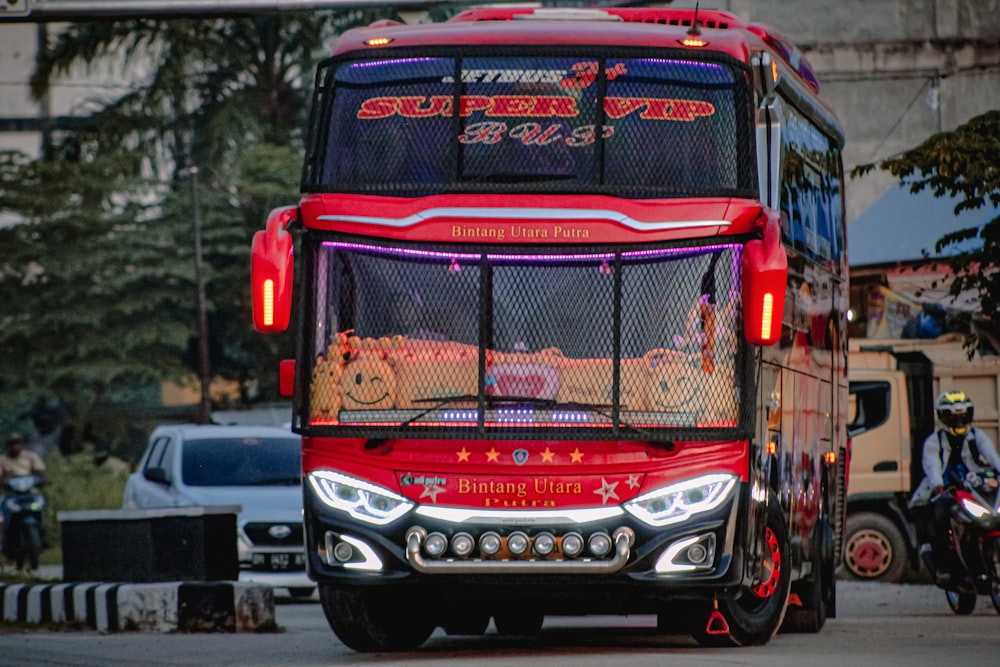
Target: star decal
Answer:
[[493, 455], [576, 456], [431, 491], [607, 491], [463, 455], [548, 456], [633, 481]]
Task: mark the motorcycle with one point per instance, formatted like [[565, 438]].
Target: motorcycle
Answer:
[[23, 505], [974, 537]]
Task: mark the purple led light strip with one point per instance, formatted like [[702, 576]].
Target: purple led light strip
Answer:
[[434, 254]]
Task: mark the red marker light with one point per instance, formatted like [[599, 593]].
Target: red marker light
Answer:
[[766, 313], [269, 302]]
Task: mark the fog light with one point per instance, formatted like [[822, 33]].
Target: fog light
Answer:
[[462, 545], [572, 545], [435, 545], [599, 544], [489, 543], [545, 543], [517, 543], [697, 554], [343, 552]]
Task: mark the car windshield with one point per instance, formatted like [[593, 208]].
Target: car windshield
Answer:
[[242, 461], [527, 123]]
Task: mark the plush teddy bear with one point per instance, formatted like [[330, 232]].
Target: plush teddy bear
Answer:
[[325, 393]]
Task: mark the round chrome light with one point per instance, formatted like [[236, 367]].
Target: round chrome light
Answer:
[[462, 544], [697, 554], [343, 552], [489, 543], [517, 543], [544, 544], [435, 545], [599, 544], [572, 544]]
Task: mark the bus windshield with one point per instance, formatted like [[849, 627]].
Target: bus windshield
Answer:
[[576, 338], [630, 127]]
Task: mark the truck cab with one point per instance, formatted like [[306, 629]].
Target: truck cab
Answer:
[[892, 388]]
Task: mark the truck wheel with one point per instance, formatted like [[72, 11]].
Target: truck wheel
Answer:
[[755, 616], [369, 621], [874, 548]]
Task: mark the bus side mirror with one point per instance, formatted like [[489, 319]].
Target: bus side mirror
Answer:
[[764, 277], [271, 272]]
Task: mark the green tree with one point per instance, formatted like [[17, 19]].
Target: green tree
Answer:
[[963, 163], [91, 311], [227, 95]]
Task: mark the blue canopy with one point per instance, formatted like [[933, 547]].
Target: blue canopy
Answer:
[[903, 226]]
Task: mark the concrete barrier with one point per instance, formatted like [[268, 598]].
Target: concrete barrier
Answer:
[[153, 607]]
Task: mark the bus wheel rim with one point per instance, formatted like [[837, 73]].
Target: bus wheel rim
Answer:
[[767, 588]]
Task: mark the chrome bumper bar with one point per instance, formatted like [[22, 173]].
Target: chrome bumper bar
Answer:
[[623, 537]]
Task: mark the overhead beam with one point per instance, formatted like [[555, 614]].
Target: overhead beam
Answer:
[[50, 11]]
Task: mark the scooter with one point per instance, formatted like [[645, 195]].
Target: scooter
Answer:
[[974, 553], [23, 505]]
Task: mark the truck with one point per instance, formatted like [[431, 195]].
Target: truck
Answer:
[[893, 385], [571, 291]]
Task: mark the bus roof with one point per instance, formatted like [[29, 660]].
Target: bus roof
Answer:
[[722, 31]]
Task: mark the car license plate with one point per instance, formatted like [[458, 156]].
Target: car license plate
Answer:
[[279, 562]]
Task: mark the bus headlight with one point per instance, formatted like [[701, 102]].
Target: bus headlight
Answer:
[[677, 502], [362, 500]]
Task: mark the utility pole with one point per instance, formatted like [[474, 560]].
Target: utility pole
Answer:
[[204, 369]]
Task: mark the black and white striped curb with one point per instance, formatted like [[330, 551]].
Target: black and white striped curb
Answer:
[[156, 607]]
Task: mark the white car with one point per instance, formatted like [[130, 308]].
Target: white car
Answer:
[[257, 467]]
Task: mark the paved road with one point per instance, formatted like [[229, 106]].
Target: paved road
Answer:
[[883, 625]]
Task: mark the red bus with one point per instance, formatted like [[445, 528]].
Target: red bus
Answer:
[[571, 304]]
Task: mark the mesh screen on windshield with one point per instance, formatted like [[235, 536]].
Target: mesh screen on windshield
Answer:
[[594, 342], [636, 127]]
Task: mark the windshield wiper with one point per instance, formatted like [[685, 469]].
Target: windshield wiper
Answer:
[[595, 408], [441, 402], [599, 409]]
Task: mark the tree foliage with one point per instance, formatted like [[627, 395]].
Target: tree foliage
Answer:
[[90, 306], [965, 164], [97, 277]]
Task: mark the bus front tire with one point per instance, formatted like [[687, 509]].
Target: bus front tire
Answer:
[[372, 620], [755, 616]]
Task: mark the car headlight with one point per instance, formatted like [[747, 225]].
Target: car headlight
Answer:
[[363, 501], [677, 502]]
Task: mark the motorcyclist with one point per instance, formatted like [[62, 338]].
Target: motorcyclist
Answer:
[[17, 461], [951, 452]]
